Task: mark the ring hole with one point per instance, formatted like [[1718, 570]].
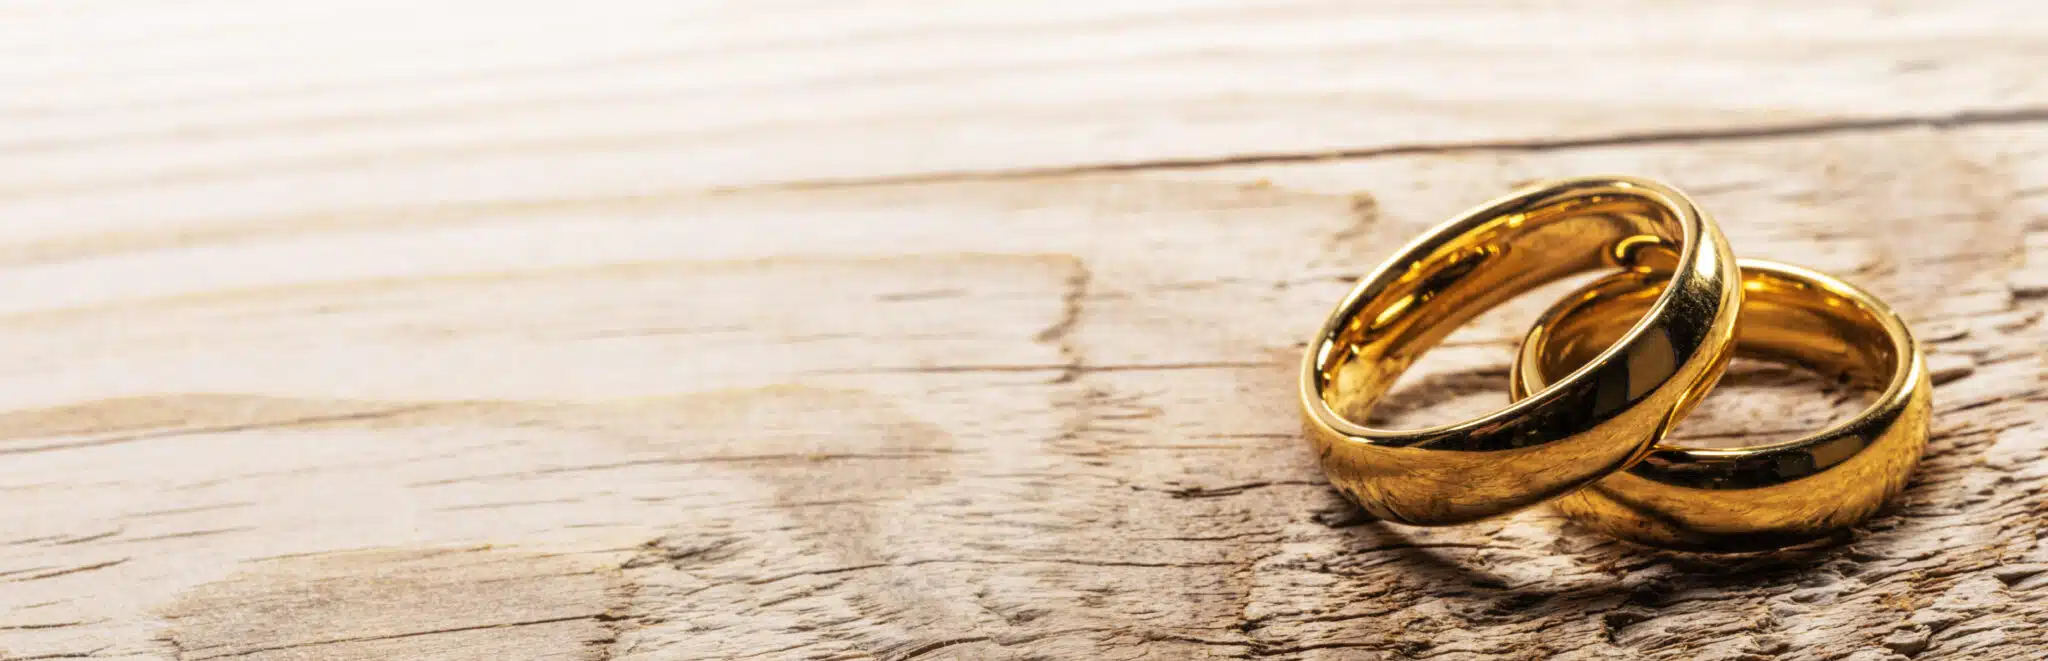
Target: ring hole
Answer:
[[1466, 377], [1761, 402]]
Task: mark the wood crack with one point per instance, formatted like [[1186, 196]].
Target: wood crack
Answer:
[[1049, 367], [1081, 562], [395, 636], [69, 571], [217, 429], [1232, 490], [1071, 301], [1810, 128], [48, 625], [59, 655], [937, 645], [797, 458]]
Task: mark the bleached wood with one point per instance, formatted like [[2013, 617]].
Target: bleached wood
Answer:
[[937, 330]]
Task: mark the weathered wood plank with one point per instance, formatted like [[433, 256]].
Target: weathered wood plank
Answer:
[[912, 331], [1047, 416], [302, 107]]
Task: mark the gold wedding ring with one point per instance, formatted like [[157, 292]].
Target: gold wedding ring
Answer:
[[1605, 373], [1810, 488], [1588, 424]]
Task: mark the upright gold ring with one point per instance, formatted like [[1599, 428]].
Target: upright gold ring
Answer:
[[1594, 421], [1806, 489]]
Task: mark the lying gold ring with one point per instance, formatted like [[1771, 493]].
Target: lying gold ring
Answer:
[[1759, 497], [1591, 423]]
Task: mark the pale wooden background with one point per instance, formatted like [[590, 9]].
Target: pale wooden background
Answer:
[[938, 330]]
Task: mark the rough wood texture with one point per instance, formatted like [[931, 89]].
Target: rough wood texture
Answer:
[[916, 330]]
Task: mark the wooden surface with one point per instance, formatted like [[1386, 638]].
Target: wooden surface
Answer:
[[923, 330]]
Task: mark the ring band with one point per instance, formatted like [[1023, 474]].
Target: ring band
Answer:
[[1591, 423], [1761, 497]]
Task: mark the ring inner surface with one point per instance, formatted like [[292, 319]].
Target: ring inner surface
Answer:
[[1463, 270], [1784, 319]]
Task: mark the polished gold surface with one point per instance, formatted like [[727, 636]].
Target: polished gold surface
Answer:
[[1595, 421], [1761, 497]]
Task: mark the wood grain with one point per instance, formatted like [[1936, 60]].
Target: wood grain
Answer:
[[912, 330]]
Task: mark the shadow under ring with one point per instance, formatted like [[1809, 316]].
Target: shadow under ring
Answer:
[[1597, 420], [1807, 489]]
